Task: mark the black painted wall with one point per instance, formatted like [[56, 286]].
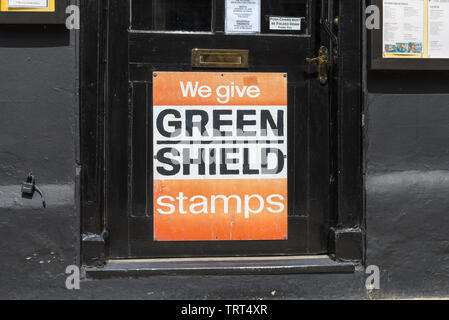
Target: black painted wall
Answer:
[[38, 132], [407, 188], [407, 181]]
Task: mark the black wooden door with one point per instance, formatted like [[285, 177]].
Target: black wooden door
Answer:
[[147, 36]]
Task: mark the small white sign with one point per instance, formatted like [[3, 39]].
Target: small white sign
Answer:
[[243, 16], [32, 4], [285, 23], [439, 29]]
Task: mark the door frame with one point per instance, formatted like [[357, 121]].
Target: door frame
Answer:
[[346, 237]]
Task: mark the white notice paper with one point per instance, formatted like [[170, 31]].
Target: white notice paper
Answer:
[[243, 16], [403, 27], [439, 29], [32, 4], [285, 23]]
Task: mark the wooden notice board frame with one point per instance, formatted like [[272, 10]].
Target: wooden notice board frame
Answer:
[[378, 62], [54, 14]]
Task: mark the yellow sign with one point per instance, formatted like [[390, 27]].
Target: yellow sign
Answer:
[[7, 7]]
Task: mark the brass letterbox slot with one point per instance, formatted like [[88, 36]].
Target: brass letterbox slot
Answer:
[[219, 58]]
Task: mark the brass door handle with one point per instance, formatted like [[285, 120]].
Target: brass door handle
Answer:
[[322, 62], [320, 59]]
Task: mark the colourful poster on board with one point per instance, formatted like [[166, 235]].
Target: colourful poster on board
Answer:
[[403, 27], [416, 29]]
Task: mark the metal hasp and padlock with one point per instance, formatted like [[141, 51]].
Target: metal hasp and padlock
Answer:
[[29, 187], [322, 63]]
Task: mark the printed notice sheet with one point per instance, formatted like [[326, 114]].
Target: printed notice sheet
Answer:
[[403, 30], [243, 16], [438, 29], [285, 23]]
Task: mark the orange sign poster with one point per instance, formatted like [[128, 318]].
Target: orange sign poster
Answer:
[[220, 156]]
